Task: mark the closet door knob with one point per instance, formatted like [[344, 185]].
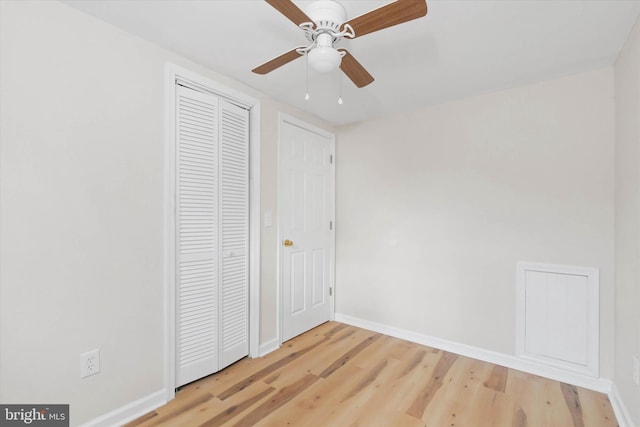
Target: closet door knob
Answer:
[[287, 243]]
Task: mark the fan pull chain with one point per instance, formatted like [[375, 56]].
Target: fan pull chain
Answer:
[[306, 95], [339, 86]]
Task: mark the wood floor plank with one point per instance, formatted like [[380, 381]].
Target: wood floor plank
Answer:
[[339, 375], [316, 362], [364, 376], [342, 360], [399, 384], [596, 408], [187, 402], [498, 379], [572, 398], [237, 409], [193, 417], [369, 378], [317, 402], [349, 376], [415, 360], [560, 410], [143, 419], [532, 397], [402, 348], [268, 370], [519, 418], [541, 400], [490, 407], [241, 371], [463, 399], [355, 401], [282, 397], [421, 402]]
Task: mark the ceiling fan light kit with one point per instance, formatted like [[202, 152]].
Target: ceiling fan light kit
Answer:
[[325, 23], [324, 57]]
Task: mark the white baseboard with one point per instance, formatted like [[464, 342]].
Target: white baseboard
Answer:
[[269, 346], [130, 411], [622, 414], [601, 385]]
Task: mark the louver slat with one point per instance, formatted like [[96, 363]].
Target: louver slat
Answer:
[[197, 241], [234, 232]]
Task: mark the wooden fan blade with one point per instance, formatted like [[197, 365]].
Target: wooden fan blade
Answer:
[[291, 11], [285, 58], [395, 13], [354, 70]]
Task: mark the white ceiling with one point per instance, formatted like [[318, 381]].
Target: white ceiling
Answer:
[[460, 48]]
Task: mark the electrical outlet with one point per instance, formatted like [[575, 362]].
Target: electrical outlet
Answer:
[[89, 363], [636, 370]]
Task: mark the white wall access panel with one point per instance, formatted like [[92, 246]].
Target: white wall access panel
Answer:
[[558, 309]]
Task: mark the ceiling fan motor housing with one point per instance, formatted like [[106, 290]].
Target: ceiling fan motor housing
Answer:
[[327, 14]]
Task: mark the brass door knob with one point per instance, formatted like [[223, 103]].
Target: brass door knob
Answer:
[[287, 243]]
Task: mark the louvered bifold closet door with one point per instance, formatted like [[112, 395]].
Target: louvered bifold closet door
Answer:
[[197, 209], [234, 233]]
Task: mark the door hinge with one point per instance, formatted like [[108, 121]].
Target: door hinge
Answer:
[[330, 291], [331, 158], [330, 225]]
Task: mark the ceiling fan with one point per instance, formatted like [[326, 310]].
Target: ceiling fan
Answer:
[[325, 23]]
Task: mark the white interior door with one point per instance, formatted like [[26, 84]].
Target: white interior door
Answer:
[[306, 195]]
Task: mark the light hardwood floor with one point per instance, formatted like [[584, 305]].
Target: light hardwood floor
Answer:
[[339, 375]]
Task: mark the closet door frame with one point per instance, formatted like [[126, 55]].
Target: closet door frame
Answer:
[[175, 74]]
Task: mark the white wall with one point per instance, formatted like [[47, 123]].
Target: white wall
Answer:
[[627, 250], [435, 207], [82, 145]]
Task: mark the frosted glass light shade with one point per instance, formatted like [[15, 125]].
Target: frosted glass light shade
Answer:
[[324, 59]]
